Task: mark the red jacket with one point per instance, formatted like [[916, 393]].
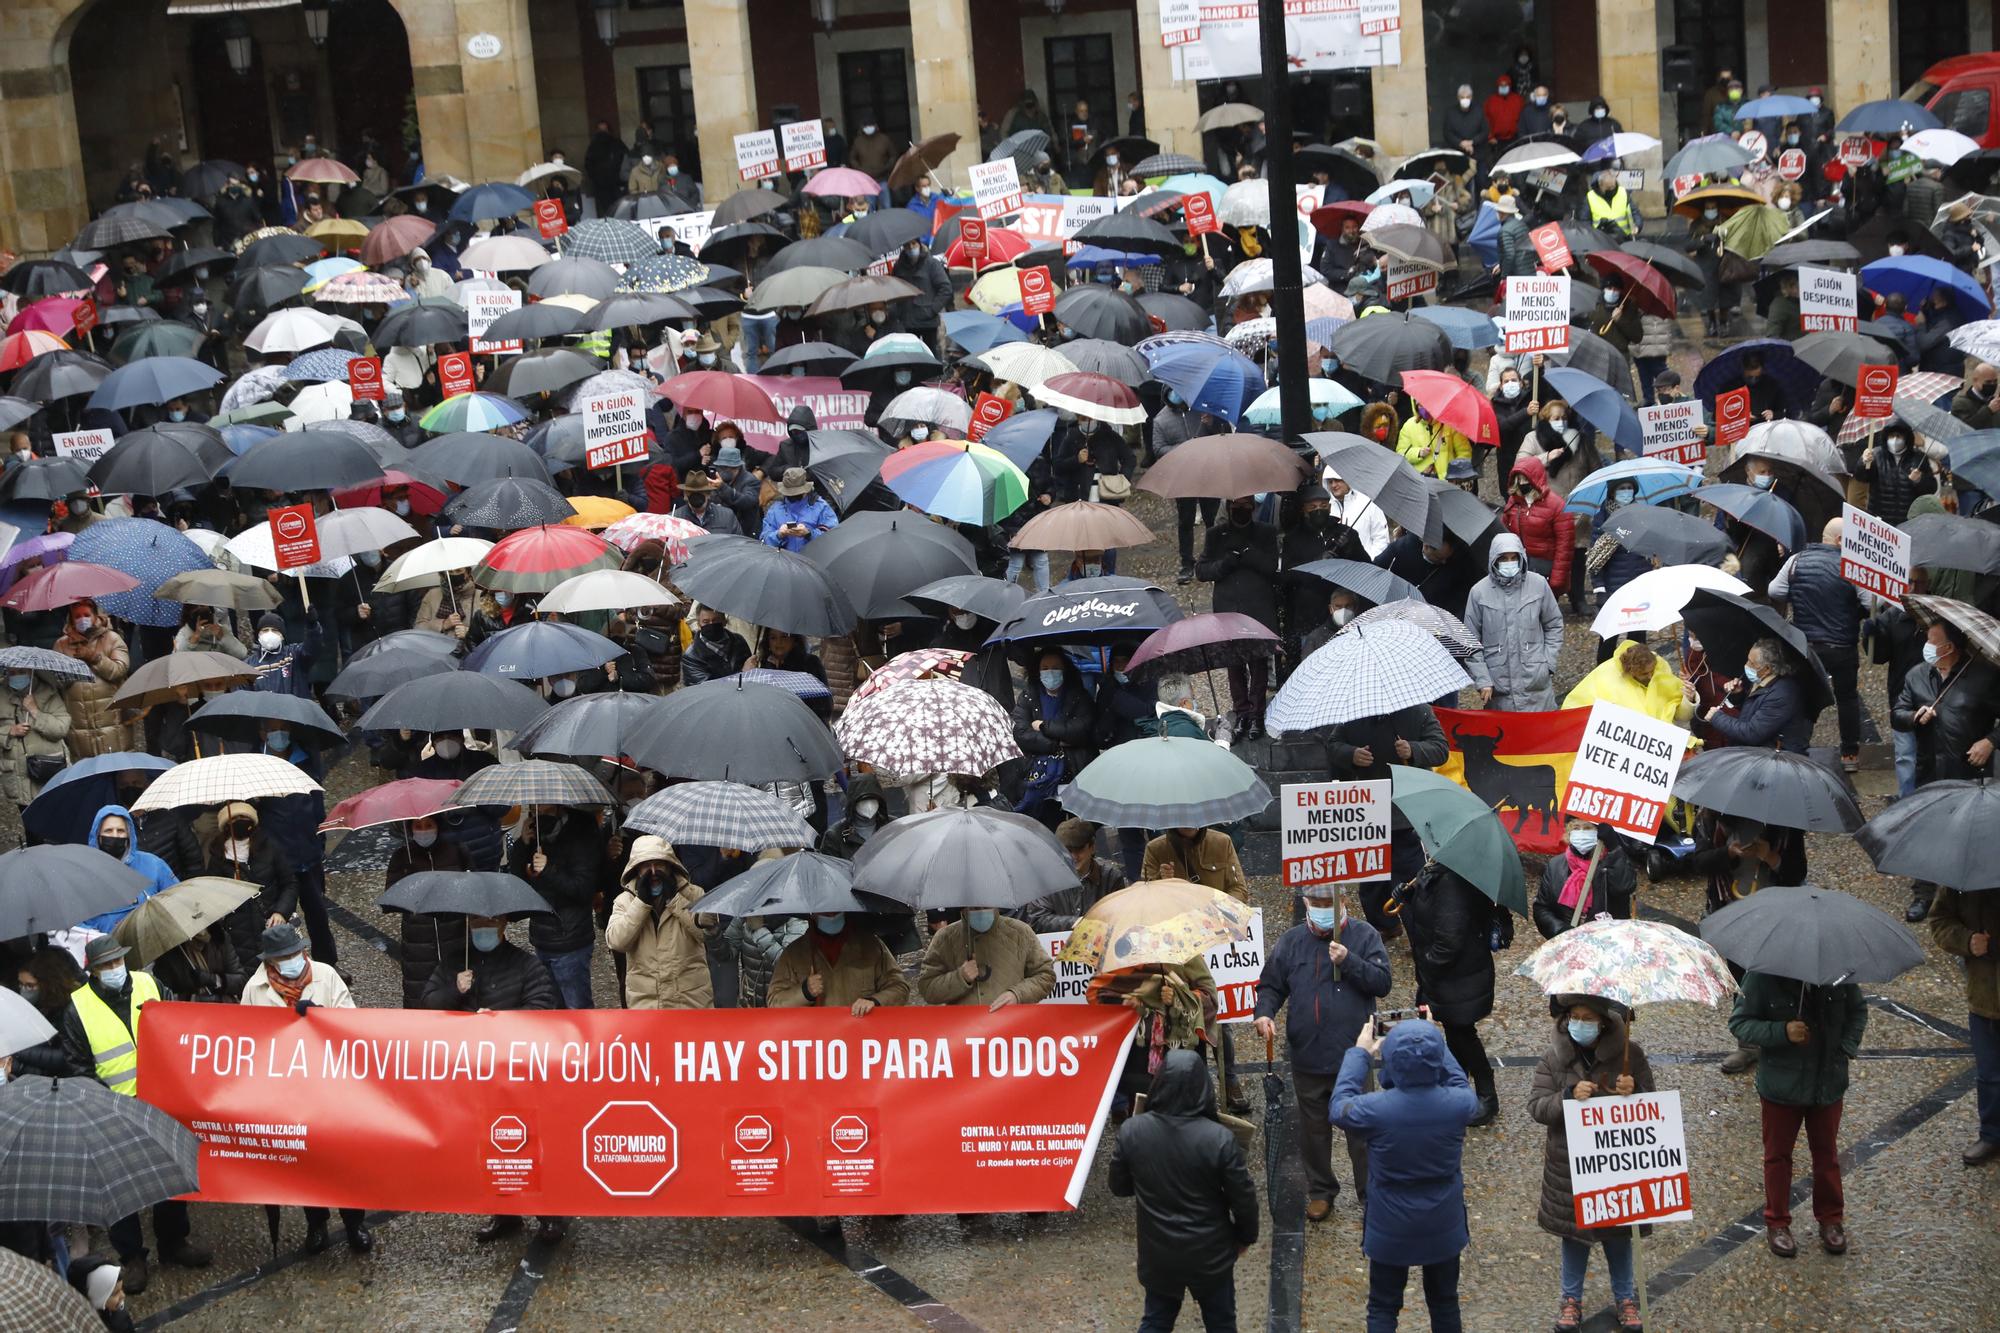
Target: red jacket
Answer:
[[663, 489], [1503, 115], [1545, 528]]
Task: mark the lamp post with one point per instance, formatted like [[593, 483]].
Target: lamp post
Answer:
[[236, 44], [317, 14], [606, 14]]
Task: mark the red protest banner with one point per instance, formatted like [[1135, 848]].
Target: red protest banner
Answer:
[[550, 219], [1038, 294], [295, 537], [1199, 210], [701, 1113], [1875, 391], [364, 377], [972, 235], [86, 317], [455, 373], [1552, 247], [988, 411], [1732, 416]]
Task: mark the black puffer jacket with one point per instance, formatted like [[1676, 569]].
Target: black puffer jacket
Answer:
[[277, 889], [1447, 920], [1611, 890], [507, 978], [574, 874], [1071, 729], [1197, 1204], [428, 939], [169, 835]]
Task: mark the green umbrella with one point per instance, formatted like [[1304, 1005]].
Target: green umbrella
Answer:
[[172, 917], [1166, 782], [257, 414], [1751, 232], [162, 337], [1460, 833]]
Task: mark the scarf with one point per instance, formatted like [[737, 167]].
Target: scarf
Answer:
[[1574, 887], [289, 991]]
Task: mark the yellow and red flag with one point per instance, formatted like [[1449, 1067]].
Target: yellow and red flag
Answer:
[[1518, 763]]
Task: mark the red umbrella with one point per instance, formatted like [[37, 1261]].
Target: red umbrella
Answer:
[[51, 314], [410, 798], [323, 171], [1089, 394], [730, 397], [423, 498], [1202, 643], [395, 238], [18, 349], [1002, 247], [56, 586], [1454, 402], [1224, 467], [537, 559], [1643, 283], [1328, 218]]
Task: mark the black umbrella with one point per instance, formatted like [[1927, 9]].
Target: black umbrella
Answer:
[[13, 411], [374, 676], [964, 858], [548, 370], [34, 278], [1728, 625], [115, 229], [509, 504], [186, 265], [878, 372], [734, 242], [750, 203], [148, 462], [1106, 607], [835, 252], [1668, 535], [1593, 356], [1098, 356], [543, 319], [1344, 167], [1925, 835], [1129, 233], [63, 373], [239, 716], [637, 309], [590, 725], [1822, 937], [801, 883], [1175, 311], [1949, 541], [1681, 271], [813, 358], [1371, 583], [53, 887], [1829, 254], [423, 323], [466, 458], [876, 558], [1098, 311], [1024, 146], [1381, 347], [275, 251], [44, 479], [765, 585], [259, 290], [881, 232], [463, 893], [1464, 515], [454, 701], [1772, 786], [991, 599], [733, 730], [1383, 476], [1838, 354], [307, 460], [72, 1150], [208, 178], [573, 275]]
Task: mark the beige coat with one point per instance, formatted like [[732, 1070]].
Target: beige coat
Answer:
[[866, 970], [665, 948], [46, 716], [1215, 863], [323, 987], [1010, 959], [95, 727]]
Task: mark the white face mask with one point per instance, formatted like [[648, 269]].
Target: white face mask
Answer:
[[1464, 103], [239, 849], [965, 620], [1343, 615], [1511, 390], [270, 640], [1895, 249], [425, 838]]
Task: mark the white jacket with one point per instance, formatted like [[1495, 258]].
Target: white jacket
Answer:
[[1370, 524], [323, 987]]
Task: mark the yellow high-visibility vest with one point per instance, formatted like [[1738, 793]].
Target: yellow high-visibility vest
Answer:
[[115, 1049], [1617, 210]]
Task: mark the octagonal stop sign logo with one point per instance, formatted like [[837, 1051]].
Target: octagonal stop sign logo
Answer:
[[850, 1133], [508, 1134], [630, 1149], [753, 1133], [292, 526]]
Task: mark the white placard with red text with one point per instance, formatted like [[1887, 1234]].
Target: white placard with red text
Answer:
[[1673, 431], [85, 446], [1180, 22], [996, 188], [1628, 1159], [1537, 313], [1623, 774], [614, 427], [805, 144], [1404, 280], [1827, 300], [757, 155], [481, 309], [1874, 555], [1333, 832]]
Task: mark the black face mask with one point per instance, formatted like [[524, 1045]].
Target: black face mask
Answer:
[[715, 633], [1242, 517], [242, 829], [115, 848]]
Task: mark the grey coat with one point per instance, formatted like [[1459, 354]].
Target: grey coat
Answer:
[[1520, 629]]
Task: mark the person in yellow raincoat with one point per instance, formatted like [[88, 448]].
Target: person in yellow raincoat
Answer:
[[1636, 678], [1429, 444]]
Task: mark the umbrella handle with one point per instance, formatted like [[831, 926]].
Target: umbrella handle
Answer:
[[1270, 1050]]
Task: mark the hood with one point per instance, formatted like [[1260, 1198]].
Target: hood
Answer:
[[1610, 1047], [1532, 469], [648, 849], [802, 417], [132, 839], [866, 784], [1182, 1087], [1413, 1056], [1926, 504], [1378, 414], [1505, 543]]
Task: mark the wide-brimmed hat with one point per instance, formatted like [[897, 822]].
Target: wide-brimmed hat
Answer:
[[103, 949], [796, 482], [729, 456], [1506, 203], [707, 342], [698, 483], [280, 941]]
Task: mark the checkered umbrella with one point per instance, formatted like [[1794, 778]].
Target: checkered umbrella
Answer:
[[1166, 164], [1982, 632], [928, 726], [720, 814], [72, 1150], [916, 665], [533, 782], [34, 1300], [803, 684], [1917, 399], [1367, 674], [1456, 636], [41, 659], [225, 777], [608, 241]]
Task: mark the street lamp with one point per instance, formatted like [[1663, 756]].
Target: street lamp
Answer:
[[606, 13], [237, 45], [317, 14], [827, 12]]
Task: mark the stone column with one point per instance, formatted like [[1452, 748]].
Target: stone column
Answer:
[[947, 95], [478, 113], [42, 194], [1859, 34], [1628, 78], [1402, 95], [1171, 108], [725, 87]]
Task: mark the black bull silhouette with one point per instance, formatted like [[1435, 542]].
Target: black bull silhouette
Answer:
[[1527, 789]]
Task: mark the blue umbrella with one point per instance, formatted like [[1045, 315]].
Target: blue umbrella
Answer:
[[1891, 115], [1321, 331], [1976, 458], [1209, 378], [1090, 256], [1725, 371], [800, 683], [1484, 238], [978, 332], [1599, 404], [1022, 437], [240, 436], [1776, 107], [541, 648], [1760, 509], [1468, 329], [495, 199], [319, 365], [150, 552], [63, 811], [1656, 479], [155, 379], [1915, 277]]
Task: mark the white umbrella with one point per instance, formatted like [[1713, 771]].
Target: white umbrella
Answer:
[[1940, 145], [1981, 338], [353, 531], [330, 401], [606, 590], [1247, 204], [1391, 215], [420, 566], [543, 171], [253, 547], [298, 330], [1654, 599], [1255, 275], [1420, 192], [253, 387], [1535, 157], [935, 407], [21, 1024], [1795, 441], [1627, 143], [1026, 364], [1365, 672], [504, 254], [209, 540], [225, 777]]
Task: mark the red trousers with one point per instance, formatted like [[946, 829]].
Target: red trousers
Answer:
[[1781, 1135]]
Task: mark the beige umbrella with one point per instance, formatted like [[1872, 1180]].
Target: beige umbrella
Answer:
[[162, 679], [1024, 363], [605, 590], [420, 566], [221, 588], [173, 917], [225, 777], [1082, 526], [1228, 116]]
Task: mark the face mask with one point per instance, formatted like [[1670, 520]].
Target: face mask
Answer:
[[767, 184], [402, 507], [920, 432], [1735, 94], [486, 938], [279, 741], [1791, 140], [270, 640], [1711, 213], [1343, 615], [715, 633], [1597, 113], [177, 416], [965, 620], [1611, 294], [1504, 88], [705, 358], [1051, 680], [83, 624], [1582, 1032], [831, 923], [449, 747], [1464, 103], [112, 978], [1764, 481], [673, 171], [1931, 653], [425, 838], [1623, 496], [253, 178], [867, 129], [292, 968], [503, 599], [867, 808], [24, 454], [902, 378], [982, 920], [31, 993], [1323, 918], [563, 689], [397, 414], [1511, 390], [1583, 841], [1508, 570], [1750, 674], [115, 848], [1323, 412], [1897, 444], [20, 683], [1541, 101], [923, 192], [423, 205]]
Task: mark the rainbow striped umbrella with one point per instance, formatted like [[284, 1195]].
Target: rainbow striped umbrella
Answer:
[[473, 412], [957, 480]]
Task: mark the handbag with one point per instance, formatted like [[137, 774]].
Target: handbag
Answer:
[[1733, 270], [43, 767], [1114, 488]]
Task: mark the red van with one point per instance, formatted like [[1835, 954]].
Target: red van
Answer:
[[1964, 92]]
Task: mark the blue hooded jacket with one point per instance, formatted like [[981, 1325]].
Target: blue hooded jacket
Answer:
[[1415, 1132], [145, 863]]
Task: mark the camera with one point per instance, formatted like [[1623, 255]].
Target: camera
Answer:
[[1386, 1019]]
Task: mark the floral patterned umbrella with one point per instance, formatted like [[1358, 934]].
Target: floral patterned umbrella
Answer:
[[1631, 963], [671, 532], [924, 662], [928, 726], [1161, 921]]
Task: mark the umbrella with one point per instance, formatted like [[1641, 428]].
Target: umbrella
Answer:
[[509, 503], [1226, 467], [1165, 164], [1981, 631], [1654, 599], [1371, 583], [21, 1024], [1452, 634], [1630, 963], [1667, 535], [463, 893], [60, 373], [1645, 285], [308, 460], [175, 915], [1382, 475], [469, 412], [822, 358], [34, 1299], [733, 730], [802, 883], [1915, 277], [1835, 254], [1654, 481], [162, 679], [1166, 782], [1924, 835], [1709, 155], [453, 701], [963, 858], [1098, 397], [1163, 921], [1329, 399], [1081, 526], [587, 725], [1598, 403], [469, 457], [74, 1150], [1458, 405], [1461, 833], [55, 587], [1202, 643], [858, 293], [240, 715], [672, 533], [1469, 330], [1024, 363], [1380, 347], [376, 674], [1365, 674], [539, 649], [1771, 786], [155, 379], [45, 479], [1888, 115], [420, 566], [766, 585], [392, 803], [940, 408], [928, 726], [1098, 311], [1948, 541], [573, 276], [1728, 625], [1215, 379], [24, 658], [533, 782], [605, 590], [720, 814], [1110, 606], [877, 557], [51, 888], [536, 559], [608, 241], [918, 664], [731, 397], [962, 482], [46, 277], [1839, 354], [63, 811], [1822, 937], [1761, 510], [989, 598]]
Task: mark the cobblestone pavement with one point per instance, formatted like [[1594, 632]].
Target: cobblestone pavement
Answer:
[[1923, 1227]]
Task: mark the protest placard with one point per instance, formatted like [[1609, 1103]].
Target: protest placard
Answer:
[[1536, 314], [1234, 966], [988, 411], [1875, 391], [757, 155], [996, 188], [805, 144], [1827, 299], [294, 537], [1792, 164], [85, 446], [1855, 150], [1333, 832], [1199, 210], [550, 219], [1673, 431], [1406, 280], [1381, 16], [1874, 555], [455, 373], [482, 307], [1623, 774], [1628, 1159], [972, 238], [614, 427], [1180, 22], [364, 377], [1038, 291], [1551, 247], [1732, 416]]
